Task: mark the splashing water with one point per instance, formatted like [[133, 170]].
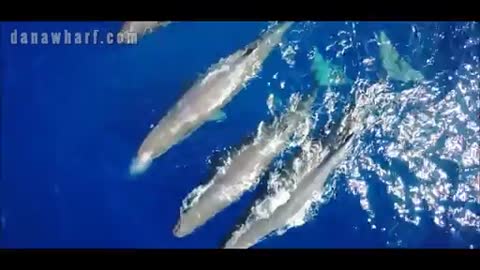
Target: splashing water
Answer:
[[420, 141], [428, 129], [426, 134]]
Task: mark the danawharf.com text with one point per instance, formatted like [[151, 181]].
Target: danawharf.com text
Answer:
[[66, 37]]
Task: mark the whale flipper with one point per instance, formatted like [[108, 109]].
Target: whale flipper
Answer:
[[218, 116]]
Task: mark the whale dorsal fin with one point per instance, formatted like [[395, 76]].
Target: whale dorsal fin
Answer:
[[218, 116]]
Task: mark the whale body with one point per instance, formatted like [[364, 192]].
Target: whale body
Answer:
[[207, 97]]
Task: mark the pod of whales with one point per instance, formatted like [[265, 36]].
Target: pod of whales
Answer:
[[204, 102]]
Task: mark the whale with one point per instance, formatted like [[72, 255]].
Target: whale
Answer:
[[207, 96], [142, 28], [326, 73], [396, 66]]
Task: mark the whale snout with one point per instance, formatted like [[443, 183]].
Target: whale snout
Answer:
[[177, 231], [141, 163], [185, 225], [180, 229], [236, 243]]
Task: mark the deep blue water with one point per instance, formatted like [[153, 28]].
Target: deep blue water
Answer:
[[74, 116]]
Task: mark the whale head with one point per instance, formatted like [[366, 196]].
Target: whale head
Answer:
[[141, 163]]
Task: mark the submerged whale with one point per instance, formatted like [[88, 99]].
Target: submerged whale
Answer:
[[208, 95], [396, 66], [326, 73]]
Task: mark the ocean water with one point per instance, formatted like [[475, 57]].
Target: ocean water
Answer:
[[73, 117]]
